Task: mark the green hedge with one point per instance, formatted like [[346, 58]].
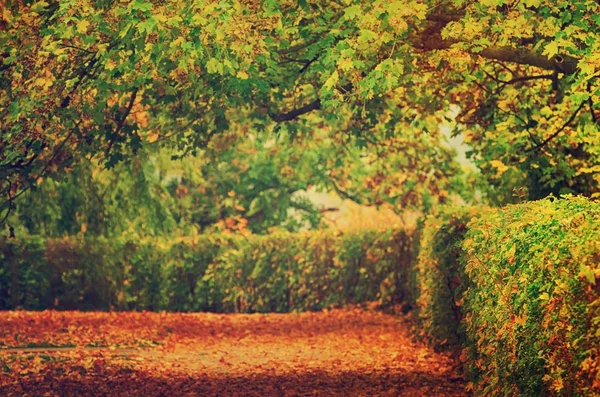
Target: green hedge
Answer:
[[276, 273], [440, 279], [517, 288], [513, 291]]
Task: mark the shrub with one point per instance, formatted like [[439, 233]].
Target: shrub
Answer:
[[533, 303], [225, 273], [440, 278], [517, 288], [308, 271], [24, 278]]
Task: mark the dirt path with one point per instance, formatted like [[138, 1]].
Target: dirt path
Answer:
[[336, 353]]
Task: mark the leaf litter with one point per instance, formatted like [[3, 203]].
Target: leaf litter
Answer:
[[342, 352]]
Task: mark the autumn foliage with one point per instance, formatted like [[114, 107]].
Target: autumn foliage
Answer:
[[517, 289], [156, 156], [331, 353], [280, 272], [511, 291]]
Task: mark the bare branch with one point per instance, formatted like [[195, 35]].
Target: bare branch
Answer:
[[10, 204], [528, 78], [328, 209], [77, 48], [551, 137], [560, 63], [121, 122], [592, 112], [345, 194], [293, 114], [591, 102], [431, 39], [307, 65]]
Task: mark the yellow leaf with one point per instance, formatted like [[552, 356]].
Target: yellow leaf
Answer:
[[82, 26], [110, 65], [521, 320], [242, 75], [43, 82], [558, 384], [551, 49], [83, 228], [588, 273], [6, 15], [510, 254], [332, 80], [152, 137], [500, 167], [345, 64], [239, 208]]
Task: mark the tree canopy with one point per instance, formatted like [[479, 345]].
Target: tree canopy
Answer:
[[102, 79]]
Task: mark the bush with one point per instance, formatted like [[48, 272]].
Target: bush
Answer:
[[25, 280], [309, 271], [440, 278], [522, 282], [514, 290], [224, 273]]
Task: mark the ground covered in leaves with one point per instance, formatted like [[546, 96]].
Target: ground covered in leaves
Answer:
[[331, 353]]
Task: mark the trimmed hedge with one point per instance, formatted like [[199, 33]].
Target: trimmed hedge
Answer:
[[440, 279], [518, 289], [515, 292], [223, 273]]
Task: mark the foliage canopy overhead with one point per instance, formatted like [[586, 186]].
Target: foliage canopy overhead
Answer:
[[103, 78]]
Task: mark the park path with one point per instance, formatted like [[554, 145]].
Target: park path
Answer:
[[331, 353]]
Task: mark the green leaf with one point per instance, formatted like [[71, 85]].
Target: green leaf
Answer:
[[214, 66], [352, 12], [141, 5], [39, 6]]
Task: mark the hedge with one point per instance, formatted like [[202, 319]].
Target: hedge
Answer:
[[517, 289], [440, 279], [223, 273], [514, 292]]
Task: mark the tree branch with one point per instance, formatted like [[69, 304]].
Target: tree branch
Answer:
[[551, 137], [295, 113], [42, 173], [431, 39], [10, 204], [121, 122], [560, 63], [591, 102], [529, 78], [592, 112], [314, 105], [328, 209], [344, 194], [307, 65]]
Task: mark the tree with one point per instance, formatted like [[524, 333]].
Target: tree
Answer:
[[74, 75], [93, 201], [243, 181]]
